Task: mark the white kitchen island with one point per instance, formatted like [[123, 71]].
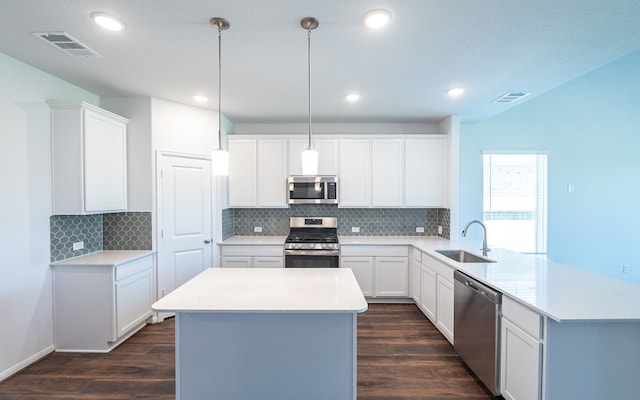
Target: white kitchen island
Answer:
[[266, 333]]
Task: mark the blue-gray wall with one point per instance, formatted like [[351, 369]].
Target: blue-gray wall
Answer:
[[591, 130]]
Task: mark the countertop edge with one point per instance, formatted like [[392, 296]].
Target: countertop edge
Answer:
[[93, 259]]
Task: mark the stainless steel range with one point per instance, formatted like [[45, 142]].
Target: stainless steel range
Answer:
[[312, 243]]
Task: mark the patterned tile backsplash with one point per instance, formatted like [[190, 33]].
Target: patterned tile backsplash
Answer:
[[371, 221], [118, 231]]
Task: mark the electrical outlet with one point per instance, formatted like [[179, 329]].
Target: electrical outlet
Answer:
[[257, 229], [419, 229], [78, 245], [439, 229], [355, 229], [626, 269]]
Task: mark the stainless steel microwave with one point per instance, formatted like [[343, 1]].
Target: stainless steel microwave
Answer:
[[312, 189]]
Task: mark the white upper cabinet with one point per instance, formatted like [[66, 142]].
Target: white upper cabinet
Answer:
[[272, 173], [327, 155], [355, 173], [387, 173], [257, 172], [243, 173], [89, 157], [424, 175]]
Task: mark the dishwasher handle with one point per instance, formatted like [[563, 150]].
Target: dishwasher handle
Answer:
[[479, 288]]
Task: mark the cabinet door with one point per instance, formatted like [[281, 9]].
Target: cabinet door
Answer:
[[243, 177], [355, 167], [424, 176], [362, 268], [428, 292], [327, 155], [444, 310], [414, 280], [236, 262], [392, 277], [134, 296], [105, 163], [272, 173], [386, 173], [520, 366], [268, 262]]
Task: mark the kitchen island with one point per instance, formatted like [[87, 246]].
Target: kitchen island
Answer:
[[266, 333]]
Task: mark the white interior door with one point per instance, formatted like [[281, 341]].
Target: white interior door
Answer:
[[185, 220]]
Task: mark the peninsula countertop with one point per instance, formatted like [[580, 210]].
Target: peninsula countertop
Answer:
[[560, 292], [257, 290]]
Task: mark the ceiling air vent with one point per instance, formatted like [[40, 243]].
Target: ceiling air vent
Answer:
[[65, 42], [511, 97]]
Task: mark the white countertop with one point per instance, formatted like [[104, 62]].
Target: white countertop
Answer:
[[560, 292], [310, 290], [105, 258]]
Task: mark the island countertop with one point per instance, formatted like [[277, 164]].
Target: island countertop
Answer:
[[240, 290]]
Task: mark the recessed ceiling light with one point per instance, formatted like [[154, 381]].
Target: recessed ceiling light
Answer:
[[456, 91], [107, 21], [200, 98], [377, 18], [352, 97]]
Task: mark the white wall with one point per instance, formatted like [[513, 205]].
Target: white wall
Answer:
[[26, 330]]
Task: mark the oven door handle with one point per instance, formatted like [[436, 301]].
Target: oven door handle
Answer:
[[328, 253]]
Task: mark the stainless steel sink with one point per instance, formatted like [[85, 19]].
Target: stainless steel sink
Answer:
[[463, 256]]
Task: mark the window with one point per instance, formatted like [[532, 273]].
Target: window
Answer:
[[515, 200]]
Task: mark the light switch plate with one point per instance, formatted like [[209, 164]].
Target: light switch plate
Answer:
[[78, 246], [419, 229], [355, 229], [257, 229]]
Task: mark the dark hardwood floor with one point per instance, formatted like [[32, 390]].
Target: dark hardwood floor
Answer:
[[400, 356]]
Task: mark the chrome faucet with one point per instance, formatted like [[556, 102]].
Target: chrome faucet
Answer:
[[485, 249]]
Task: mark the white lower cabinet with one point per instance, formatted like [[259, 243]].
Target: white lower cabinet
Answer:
[[252, 256], [362, 268], [381, 271], [96, 307], [521, 346], [444, 307], [436, 294], [428, 290], [414, 275]]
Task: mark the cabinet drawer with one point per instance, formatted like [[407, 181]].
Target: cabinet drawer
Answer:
[[268, 262], [250, 251], [236, 262], [133, 267], [374, 251], [526, 319]]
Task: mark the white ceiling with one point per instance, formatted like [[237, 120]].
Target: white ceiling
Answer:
[[402, 72]]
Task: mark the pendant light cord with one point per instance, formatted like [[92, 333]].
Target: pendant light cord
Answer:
[[220, 87], [309, 81]]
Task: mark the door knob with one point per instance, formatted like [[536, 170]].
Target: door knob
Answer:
[[207, 241]]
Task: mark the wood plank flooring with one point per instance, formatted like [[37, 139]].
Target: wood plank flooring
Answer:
[[400, 356]]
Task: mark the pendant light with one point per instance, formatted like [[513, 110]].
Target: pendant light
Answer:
[[220, 157], [309, 156]]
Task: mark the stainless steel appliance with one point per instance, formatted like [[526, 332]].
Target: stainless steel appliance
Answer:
[[312, 243], [477, 328], [312, 190]]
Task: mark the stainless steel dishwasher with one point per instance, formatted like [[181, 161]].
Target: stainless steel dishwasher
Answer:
[[476, 335]]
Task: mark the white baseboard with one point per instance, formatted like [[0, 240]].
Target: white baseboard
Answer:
[[25, 363]]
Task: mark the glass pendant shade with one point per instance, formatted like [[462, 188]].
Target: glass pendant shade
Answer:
[[309, 162], [220, 162]]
